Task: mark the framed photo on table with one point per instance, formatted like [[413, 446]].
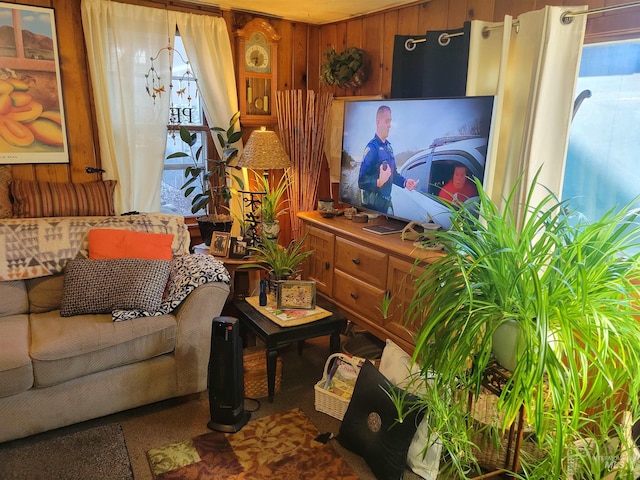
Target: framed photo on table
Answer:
[[220, 244], [238, 248], [296, 294]]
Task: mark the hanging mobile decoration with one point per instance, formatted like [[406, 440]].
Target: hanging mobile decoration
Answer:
[[155, 88]]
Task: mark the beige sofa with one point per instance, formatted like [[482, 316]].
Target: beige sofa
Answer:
[[54, 370]]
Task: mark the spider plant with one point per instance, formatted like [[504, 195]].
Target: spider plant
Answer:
[[572, 287], [280, 262], [272, 205]]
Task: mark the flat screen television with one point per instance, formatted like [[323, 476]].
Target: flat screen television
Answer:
[[431, 150]]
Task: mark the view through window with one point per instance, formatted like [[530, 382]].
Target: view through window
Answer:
[[186, 109], [603, 166]]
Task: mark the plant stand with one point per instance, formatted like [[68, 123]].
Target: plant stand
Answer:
[[494, 380]]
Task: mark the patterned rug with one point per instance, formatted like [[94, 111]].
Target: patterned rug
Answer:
[[279, 446]]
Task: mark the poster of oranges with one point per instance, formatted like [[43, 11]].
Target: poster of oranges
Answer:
[[32, 125]]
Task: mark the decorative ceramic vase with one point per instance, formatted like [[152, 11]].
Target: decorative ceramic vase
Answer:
[[271, 231], [506, 342], [274, 280]]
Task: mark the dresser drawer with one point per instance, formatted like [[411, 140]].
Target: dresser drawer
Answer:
[[358, 296], [363, 263]]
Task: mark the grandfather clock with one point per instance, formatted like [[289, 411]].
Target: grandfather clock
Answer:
[[257, 55]]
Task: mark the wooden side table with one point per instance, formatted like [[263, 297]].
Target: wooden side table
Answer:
[[244, 281], [275, 336]]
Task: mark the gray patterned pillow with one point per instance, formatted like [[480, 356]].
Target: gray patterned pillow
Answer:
[[187, 272], [101, 286]]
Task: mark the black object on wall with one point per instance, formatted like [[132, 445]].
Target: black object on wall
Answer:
[[226, 377], [435, 67]]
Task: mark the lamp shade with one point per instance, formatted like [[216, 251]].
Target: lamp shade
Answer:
[[263, 151]]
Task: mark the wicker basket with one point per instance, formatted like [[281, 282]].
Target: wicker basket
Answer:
[[255, 372], [328, 402], [491, 452]]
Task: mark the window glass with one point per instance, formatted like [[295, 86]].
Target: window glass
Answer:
[[602, 169], [186, 109]]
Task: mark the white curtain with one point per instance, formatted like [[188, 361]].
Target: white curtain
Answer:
[[132, 128], [531, 64], [206, 41], [120, 39]]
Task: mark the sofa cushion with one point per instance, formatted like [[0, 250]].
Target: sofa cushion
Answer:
[[187, 273], [48, 199], [14, 298], [16, 373], [70, 347], [45, 293], [115, 243], [101, 286]]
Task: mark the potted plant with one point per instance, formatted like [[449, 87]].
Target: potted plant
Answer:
[[281, 263], [272, 203], [209, 178], [572, 288], [345, 69]]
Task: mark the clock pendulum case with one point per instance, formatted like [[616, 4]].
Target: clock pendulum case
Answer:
[[257, 52]]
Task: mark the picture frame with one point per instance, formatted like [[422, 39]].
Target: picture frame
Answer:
[[296, 294], [38, 133], [238, 248], [220, 244]]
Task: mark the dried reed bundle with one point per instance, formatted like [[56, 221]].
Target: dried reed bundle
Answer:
[[301, 123]]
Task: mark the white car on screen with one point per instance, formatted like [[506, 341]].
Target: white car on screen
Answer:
[[433, 167]]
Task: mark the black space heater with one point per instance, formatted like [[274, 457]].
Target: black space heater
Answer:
[[226, 377]]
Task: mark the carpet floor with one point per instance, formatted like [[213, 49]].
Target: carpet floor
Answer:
[[97, 453], [170, 421]]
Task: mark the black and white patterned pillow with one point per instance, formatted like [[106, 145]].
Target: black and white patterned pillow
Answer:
[[101, 286], [187, 273]]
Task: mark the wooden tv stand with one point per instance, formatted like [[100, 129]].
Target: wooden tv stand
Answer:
[[355, 269]]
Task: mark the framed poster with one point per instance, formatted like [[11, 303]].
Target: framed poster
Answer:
[[32, 122], [220, 244]]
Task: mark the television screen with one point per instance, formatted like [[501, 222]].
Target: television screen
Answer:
[[409, 159]]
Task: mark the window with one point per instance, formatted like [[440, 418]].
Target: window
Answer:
[[186, 109], [602, 169]]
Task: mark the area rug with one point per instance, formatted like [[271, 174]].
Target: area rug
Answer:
[[279, 446], [97, 453]]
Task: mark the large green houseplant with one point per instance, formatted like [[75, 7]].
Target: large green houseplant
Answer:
[[209, 178], [572, 288]]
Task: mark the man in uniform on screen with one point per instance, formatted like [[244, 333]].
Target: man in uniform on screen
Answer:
[[378, 170]]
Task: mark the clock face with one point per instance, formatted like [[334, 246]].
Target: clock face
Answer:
[[256, 58]]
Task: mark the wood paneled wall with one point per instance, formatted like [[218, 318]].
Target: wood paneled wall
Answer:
[[301, 49]]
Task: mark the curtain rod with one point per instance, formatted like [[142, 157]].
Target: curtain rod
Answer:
[[566, 18]]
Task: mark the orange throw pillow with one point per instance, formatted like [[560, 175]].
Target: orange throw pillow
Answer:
[[112, 243]]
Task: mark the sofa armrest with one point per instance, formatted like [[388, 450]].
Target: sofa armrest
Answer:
[[193, 343]]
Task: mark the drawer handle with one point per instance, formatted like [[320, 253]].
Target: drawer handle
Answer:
[[327, 265], [356, 261], [354, 295]]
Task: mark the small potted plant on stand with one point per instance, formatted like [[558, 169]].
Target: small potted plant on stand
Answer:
[[209, 178], [571, 287], [272, 203], [281, 263]]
